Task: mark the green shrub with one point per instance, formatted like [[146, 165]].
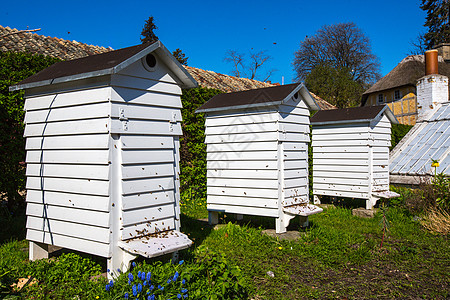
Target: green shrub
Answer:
[[398, 131], [14, 68]]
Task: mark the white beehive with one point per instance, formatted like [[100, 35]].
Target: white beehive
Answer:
[[257, 153], [102, 140], [351, 152]]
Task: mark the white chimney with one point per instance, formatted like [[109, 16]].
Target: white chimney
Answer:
[[432, 89]]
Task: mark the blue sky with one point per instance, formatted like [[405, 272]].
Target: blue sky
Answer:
[[205, 30]]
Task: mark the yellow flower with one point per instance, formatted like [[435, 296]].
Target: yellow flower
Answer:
[[435, 164], [281, 248], [97, 297]]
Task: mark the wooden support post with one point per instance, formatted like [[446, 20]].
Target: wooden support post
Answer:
[[213, 217], [120, 260], [38, 251]]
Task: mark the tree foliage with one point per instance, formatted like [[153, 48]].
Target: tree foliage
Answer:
[[148, 36], [336, 85], [342, 46], [250, 69], [437, 21], [15, 68]]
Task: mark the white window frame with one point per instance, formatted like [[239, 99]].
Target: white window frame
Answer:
[[399, 95]]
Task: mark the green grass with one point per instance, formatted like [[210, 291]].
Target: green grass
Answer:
[[338, 256]]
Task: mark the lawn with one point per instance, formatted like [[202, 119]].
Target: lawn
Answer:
[[337, 257]]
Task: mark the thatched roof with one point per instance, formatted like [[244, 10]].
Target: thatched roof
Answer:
[[407, 72]]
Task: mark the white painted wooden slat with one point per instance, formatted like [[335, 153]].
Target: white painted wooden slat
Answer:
[[242, 165], [81, 112], [68, 156], [380, 136], [295, 155], [247, 173], [147, 171], [297, 119], [67, 128], [257, 146], [241, 119], [79, 97], [341, 137], [244, 128], [254, 155], [380, 175], [381, 130], [350, 143], [86, 232], [118, 80], [85, 246], [138, 230], [341, 187], [340, 129], [295, 182], [243, 192], [300, 109], [135, 186], [342, 149], [92, 141], [145, 112], [145, 127], [247, 201], [289, 146], [257, 211], [147, 199], [296, 192], [294, 137], [147, 214], [243, 183], [147, 156], [341, 155], [338, 180], [81, 216], [69, 185], [88, 202], [295, 173], [342, 162], [381, 156], [146, 142], [161, 73], [293, 127], [134, 96], [340, 168], [381, 181], [341, 174], [348, 194], [100, 172], [295, 164], [381, 162], [242, 137]]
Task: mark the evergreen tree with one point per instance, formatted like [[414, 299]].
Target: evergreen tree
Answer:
[[437, 21], [180, 56], [148, 36]]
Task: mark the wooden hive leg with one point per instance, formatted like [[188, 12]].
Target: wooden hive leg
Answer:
[[38, 251], [120, 260], [282, 222], [316, 199], [370, 203], [213, 217]]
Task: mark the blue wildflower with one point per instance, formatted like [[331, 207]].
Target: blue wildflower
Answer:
[[151, 287], [111, 283], [139, 288], [129, 282], [145, 283], [139, 274], [134, 290], [185, 296], [108, 270], [119, 270], [183, 281], [151, 297], [130, 277], [181, 262], [126, 296], [133, 264], [184, 291], [149, 276], [107, 288], [143, 276], [179, 296], [169, 281], [175, 277]]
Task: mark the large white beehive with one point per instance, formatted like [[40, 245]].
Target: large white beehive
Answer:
[[102, 140], [257, 153], [351, 152]]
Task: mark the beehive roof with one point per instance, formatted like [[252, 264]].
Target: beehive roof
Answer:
[[274, 95], [352, 115]]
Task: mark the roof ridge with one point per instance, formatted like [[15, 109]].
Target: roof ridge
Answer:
[[235, 77]]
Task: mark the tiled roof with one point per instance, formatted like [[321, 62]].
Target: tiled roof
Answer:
[[13, 40]]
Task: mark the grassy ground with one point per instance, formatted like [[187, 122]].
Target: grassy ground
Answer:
[[337, 257]]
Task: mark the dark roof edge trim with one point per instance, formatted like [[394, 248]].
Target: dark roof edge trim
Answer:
[[385, 110], [187, 81], [309, 100]]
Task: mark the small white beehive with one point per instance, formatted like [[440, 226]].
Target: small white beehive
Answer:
[[351, 152], [102, 140], [257, 153]]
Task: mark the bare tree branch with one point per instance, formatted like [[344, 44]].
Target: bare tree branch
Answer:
[[236, 59], [20, 31]]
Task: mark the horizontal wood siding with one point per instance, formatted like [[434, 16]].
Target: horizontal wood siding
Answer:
[[341, 160], [67, 143], [147, 115], [380, 175], [294, 118], [242, 162]]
